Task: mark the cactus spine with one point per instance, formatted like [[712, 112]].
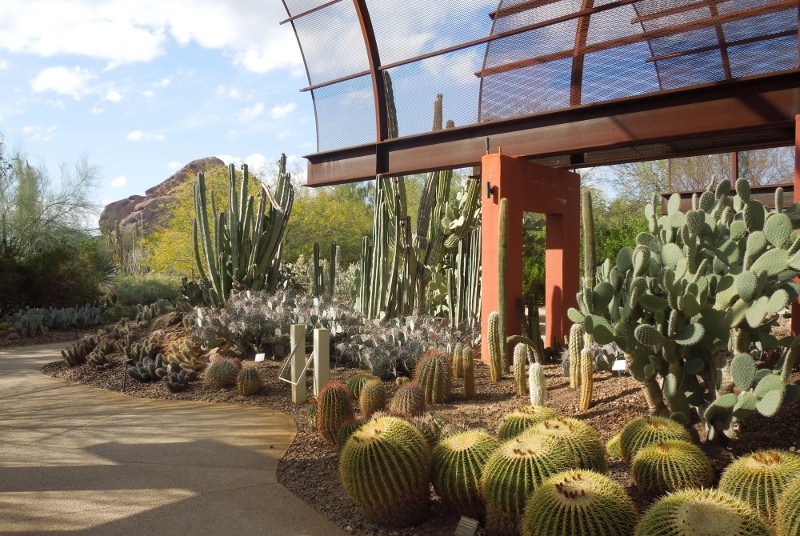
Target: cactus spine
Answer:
[[587, 381], [787, 519], [458, 462], [469, 372], [458, 362], [576, 334], [579, 503], [408, 400], [520, 360], [537, 386], [515, 422], [669, 466], [578, 438], [495, 345], [385, 468], [333, 409], [644, 431]]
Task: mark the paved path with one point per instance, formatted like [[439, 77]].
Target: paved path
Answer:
[[75, 459]]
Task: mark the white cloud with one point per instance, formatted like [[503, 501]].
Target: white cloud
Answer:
[[148, 93], [174, 165], [257, 162], [282, 111], [229, 92], [138, 135], [3, 65], [39, 133], [164, 82], [73, 82], [119, 182], [97, 110], [113, 95], [252, 112]]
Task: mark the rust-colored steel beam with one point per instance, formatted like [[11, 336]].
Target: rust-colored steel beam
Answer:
[[739, 109], [378, 86], [698, 50]]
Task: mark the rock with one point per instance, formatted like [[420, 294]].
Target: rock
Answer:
[[146, 209]]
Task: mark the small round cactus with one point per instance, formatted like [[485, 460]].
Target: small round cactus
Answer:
[[356, 383], [347, 429], [408, 400], [612, 446], [511, 474], [644, 431], [222, 373], [372, 397], [433, 373], [458, 462], [429, 426], [514, 423], [385, 468], [705, 512], [577, 437], [787, 519], [334, 407], [579, 503], [249, 382], [668, 466], [760, 477]]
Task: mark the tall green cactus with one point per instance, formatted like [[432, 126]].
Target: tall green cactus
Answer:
[[520, 378], [495, 345], [502, 267], [240, 248], [697, 285]]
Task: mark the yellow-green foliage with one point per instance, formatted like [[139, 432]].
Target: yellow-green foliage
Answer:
[[385, 469], [458, 462], [644, 431], [579, 503], [515, 422], [169, 246], [669, 466], [759, 478], [511, 474], [577, 437], [706, 512]]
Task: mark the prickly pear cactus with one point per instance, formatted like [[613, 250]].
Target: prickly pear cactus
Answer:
[[700, 511], [668, 466], [644, 431], [334, 407], [408, 400], [248, 381], [512, 473], [372, 398], [759, 479], [515, 422], [458, 462], [433, 374], [579, 503], [576, 437], [385, 468]]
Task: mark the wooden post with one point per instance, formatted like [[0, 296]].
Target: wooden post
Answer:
[[322, 358], [297, 341]]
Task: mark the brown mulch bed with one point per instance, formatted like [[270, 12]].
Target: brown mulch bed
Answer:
[[309, 468]]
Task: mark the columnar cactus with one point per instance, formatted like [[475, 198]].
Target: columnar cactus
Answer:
[[372, 398], [576, 334], [496, 366], [502, 267], [458, 362], [667, 466], [433, 374], [148, 370], [644, 431], [385, 468], [576, 437], [537, 387], [458, 462], [249, 382], [222, 373], [469, 372], [515, 422], [700, 511], [759, 479], [334, 407], [408, 400], [520, 361], [579, 503], [586, 380], [512, 473], [177, 379]]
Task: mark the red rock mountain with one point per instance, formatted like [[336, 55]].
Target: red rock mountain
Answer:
[[145, 208]]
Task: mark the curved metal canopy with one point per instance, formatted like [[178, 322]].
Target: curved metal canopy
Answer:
[[566, 82]]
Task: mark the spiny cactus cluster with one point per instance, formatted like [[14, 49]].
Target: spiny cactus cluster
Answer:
[[188, 355], [148, 369], [146, 313], [695, 285], [137, 351], [98, 357], [178, 379], [76, 353]]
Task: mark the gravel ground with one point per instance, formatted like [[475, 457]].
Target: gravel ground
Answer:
[[309, 468]]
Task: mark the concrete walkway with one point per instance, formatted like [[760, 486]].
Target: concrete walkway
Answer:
[[75, 459]]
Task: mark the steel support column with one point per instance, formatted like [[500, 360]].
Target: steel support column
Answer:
[[530, 187]]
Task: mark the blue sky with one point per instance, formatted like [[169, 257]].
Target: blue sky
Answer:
[[143, 88]]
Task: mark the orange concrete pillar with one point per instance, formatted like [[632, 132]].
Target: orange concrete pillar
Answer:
[[530, 187], [796, 305]]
